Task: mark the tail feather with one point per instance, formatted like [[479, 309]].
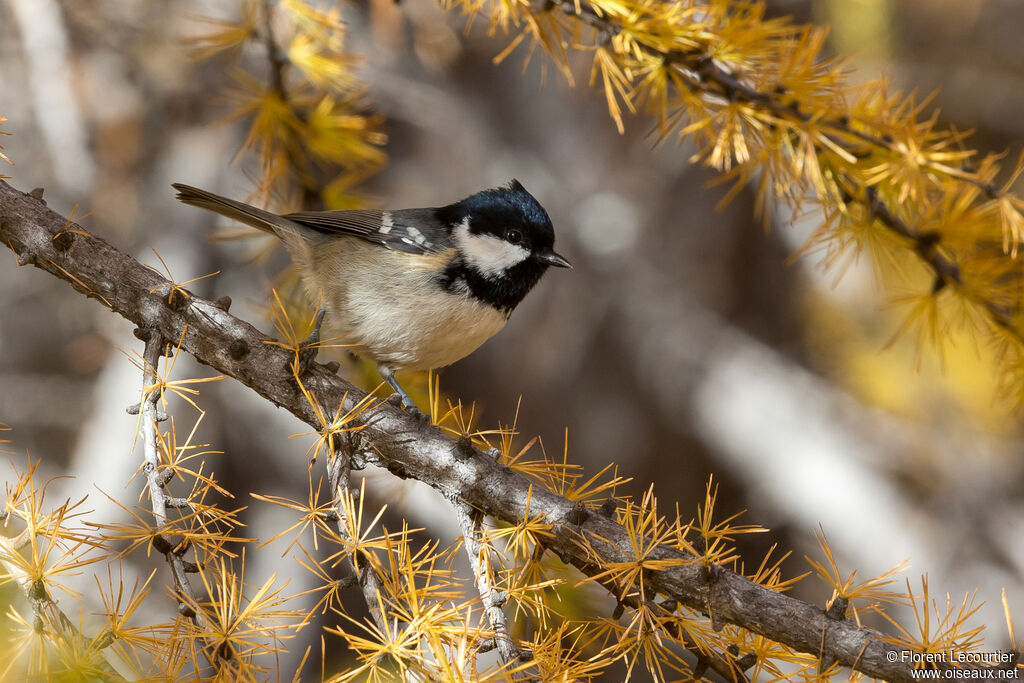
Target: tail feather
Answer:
[[239, 211]]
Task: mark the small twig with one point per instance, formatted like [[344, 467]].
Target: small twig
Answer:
[[157, 480], [471, 523], [151, 357], [157, 497], [338, 468], [21, 540]]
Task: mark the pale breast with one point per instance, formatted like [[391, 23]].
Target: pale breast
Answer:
[[408, 322]]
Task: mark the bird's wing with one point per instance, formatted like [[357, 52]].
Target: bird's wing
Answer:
[[416, 231]]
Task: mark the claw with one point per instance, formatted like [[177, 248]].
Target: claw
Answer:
[[400, 397], [420, 416]]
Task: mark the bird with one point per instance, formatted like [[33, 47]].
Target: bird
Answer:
[[411, 289]]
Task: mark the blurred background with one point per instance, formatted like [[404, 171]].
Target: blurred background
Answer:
[[684, 345]]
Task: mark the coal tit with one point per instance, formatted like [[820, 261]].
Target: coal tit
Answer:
[[412, 288]]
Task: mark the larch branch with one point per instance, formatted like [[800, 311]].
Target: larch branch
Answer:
[[704, 75], [411, 450]]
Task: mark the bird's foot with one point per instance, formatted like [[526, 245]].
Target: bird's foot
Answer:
[[308, 348], [405, 403], [400, 397]]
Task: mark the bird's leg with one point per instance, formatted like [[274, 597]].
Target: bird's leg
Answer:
[[308, 348], [389, 376]]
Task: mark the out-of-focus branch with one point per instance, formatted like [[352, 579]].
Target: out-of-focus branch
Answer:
[[45, 44], [277, 62], [49, 616], [409, 449]]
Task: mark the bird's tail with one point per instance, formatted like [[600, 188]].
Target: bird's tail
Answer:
[[239, 211]]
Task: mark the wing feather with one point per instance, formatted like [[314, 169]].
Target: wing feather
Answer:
[[353, 222], [415, 231]]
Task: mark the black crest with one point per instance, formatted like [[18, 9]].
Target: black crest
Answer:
[[497, 210]]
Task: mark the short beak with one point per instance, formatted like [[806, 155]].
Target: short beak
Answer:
[[553, 259]]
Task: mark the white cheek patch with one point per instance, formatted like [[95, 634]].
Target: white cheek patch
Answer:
[[490, 255]]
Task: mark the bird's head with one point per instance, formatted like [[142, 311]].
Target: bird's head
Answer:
[[503, 229]]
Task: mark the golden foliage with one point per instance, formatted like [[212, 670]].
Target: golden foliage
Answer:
[[939, 628], [845, 592], [766, 109], [307, 126], [431, 621], [760, 104]]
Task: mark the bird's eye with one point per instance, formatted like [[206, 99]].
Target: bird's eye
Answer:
[[513, 237]]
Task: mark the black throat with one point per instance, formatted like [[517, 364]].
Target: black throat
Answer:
[[503, 292]]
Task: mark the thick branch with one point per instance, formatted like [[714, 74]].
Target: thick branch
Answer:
[[408, 449]]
